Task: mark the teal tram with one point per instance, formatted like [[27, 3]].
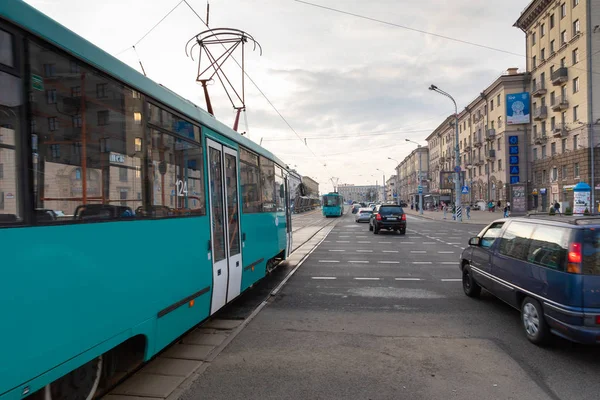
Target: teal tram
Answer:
[[128, 215], [333, 205]]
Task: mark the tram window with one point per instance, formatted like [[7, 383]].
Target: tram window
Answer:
[[279, 191], [267, 177], [250, 182], [176, 176], [85, 169], [6, 49], [173, 123]]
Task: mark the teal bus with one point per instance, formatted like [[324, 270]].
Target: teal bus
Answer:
[[128, 215], [333, 205]]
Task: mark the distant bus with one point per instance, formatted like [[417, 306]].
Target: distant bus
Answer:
[[333, 205], [128, 215]]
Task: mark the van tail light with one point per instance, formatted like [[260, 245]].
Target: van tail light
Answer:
[[574, 258], [403, 217], [597, 319], [378, 217]]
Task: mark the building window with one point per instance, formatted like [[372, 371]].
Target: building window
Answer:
[[575, 112], [554, 174], [543, 152], [575, 142], [544, 177], [576, 28], [101, 90], [52, 124], [492, 105], [499, 141], [498, 100], [552, 123], [535, 131], [103, 118], [575, 85], [55, 150], [552, 21], [563, 10], [138, 144], [563, 37], [543, 126], [75, 69], [493, 166], [575, 3], [576, 170], [49, 70], [563, 118], [552, 47], [76, 121], [534, 62], [542, 30], [122, 174], [575, 56], [543, 54], [564, 172], [563, 145], [51, 96], [499, 165], [33, 125], [533, 39], [553, 149], [76, 91], [535, 154]]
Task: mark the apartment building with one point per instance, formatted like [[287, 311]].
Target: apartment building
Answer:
[[441, 158], [484, 141], [311, 185], [390, 188], [562, 41], [417, 160], [363, 193]]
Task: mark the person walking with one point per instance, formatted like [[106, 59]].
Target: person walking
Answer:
[[506, 213], [454, 212], [490, 206], [468, 210], [557, 207], [445, 208]]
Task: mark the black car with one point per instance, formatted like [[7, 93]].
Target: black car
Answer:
[[388, 216]]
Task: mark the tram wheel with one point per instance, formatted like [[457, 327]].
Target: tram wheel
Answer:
[[270, 266], [80, 384]]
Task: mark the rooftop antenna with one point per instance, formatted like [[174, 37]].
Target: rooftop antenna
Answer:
[[226, 41]]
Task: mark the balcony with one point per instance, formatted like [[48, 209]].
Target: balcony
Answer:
[[540, 113], [560, 103], [442, 159], [490, 134], [477, 142], [559, 130], [560, 76], [540, 139], [539, 89], [467, 148], [491, 155], [479, 161]]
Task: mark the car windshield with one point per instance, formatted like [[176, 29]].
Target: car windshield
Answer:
[[390, 210]]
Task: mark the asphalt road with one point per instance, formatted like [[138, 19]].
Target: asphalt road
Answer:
[[384, 317]]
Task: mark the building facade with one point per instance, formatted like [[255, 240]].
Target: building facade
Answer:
[[408, 173], [361, 193], [311, 185], [561, 44], [441, 159], [295, 179], [390, 188]]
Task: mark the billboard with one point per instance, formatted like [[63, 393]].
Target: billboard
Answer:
[[518, 109], [447, 179]]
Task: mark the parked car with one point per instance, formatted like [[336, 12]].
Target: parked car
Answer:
[[475, 207], [363, 215], [547, 269], [388, 216]]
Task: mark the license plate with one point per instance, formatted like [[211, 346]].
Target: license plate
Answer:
[[392, 219]]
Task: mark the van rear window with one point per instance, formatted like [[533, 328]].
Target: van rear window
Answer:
[[385, 211], [591, 252]]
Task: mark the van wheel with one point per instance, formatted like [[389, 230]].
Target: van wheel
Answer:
[[81, 383], [534, 323], [470, 287]]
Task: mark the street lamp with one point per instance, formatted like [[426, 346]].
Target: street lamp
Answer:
[[396, 183], [457, 153], [382, 185], [419, 178]]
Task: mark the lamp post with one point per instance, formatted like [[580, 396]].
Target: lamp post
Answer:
[[457, 153], [396, 183], [419, 180], [383, 186]]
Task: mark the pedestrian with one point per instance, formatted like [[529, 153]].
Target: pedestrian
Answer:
[[557, 207], [490, 206], [411, 205], [416, 206], [445, 208], [468, 209], [499, 204], [506, 212], [454, 212]]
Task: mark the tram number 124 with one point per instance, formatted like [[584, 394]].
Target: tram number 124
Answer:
[[182, 188]]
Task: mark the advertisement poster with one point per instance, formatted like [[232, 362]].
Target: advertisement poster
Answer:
[[582, 201], [447, 179], [518, 110], [519, 199]]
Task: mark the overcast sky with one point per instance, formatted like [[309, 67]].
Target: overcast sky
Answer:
[[329, 74]]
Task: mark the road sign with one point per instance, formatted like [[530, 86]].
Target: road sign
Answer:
[[514, 170], [420, 189], [37, 82], [513, 140], [465, 190], [457, 168], [514, 179]]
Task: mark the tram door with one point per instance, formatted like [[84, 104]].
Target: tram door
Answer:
[[225, 224]]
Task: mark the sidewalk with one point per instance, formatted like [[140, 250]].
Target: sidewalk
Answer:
[[477, 217]]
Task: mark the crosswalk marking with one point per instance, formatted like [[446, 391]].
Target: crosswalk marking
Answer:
[[367, 279], [337, 250], [418, 251], [445, 252], [390, 251], [421, 262], [364, 251], [324, 277], [408, 279], [358, 262], [452, 280], [328, 261]]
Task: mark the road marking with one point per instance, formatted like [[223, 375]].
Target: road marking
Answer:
[[324, 277], [328, 261], [342, 241], [445, 252], [385, 242], [421, 262], [362, 237], [451, 280], [337, 250], [428, 243], [363, 242], [349, 236], [407, 242], [473, 233], [418, 251], [364, 251], [388, 262], [390, 251], [451, 237], [449, 262], [452, 243], [358, 262], [367, 279], [408, 279]]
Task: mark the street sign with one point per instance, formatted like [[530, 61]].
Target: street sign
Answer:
[[514, 160], [514, 179], [457, 168], [514, 149], [514, 170], [37, 82], [420, 189], [513, 140], [465, 190]]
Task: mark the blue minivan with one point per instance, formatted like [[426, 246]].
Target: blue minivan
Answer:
[[546, 267]]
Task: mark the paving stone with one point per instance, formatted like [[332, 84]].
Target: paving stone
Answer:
[[172, 367], [189, 351], [223, 323], [207, 339], [149, 385]]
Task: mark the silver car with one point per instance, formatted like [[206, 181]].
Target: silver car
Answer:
[[363, 215]]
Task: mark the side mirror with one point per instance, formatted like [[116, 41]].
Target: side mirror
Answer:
[[474, 241]]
